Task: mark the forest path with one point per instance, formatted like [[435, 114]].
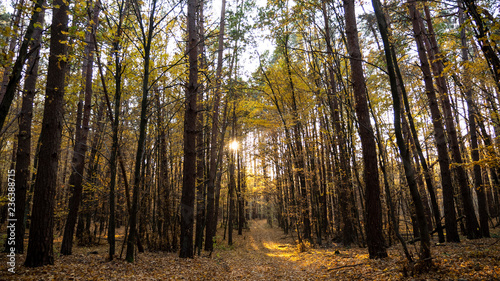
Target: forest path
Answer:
[[264, 253]]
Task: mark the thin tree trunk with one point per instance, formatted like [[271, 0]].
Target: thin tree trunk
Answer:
[[390, 203], [15, 76], [219, 163], [241, 194], [472, 226], [232, 181], [78, 161], [485, 38], [139, 157], [115, 121], [439, 133], [200, 167], [342, 173], [211, 218], [478, 179], [425, 253], [12, 43], [418, 147], [163, 182], [299, 156]]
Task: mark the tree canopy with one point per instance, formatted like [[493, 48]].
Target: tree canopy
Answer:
[[166, 125]]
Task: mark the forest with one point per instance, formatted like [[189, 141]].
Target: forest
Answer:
[[249, 140]]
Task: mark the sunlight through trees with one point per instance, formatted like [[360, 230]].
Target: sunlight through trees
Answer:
[[181, 126]]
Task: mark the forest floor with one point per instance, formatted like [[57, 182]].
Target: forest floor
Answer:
[[264, 253]]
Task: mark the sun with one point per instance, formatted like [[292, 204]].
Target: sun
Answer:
[[234, 145]]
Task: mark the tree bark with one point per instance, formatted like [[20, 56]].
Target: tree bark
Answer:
[[439, 133], [211, 219], [15, 76], [300, 164], [12, 44], [374, 235], [392, 67], [147, 38], [241, 194], [232, 181], [200, 166], [24, 137], [343, 171], [436, 58], [40, 245], [80, 149], [484, 37], [478, 179], [191, 112]]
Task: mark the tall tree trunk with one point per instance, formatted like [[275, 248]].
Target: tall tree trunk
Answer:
[[484, 37], [115, 121], [40, 245], [232, 180], [478, 179], [147, 33], [436, 58], [418, 147], [439, 133], [163, 182], [300, 163], [375, 238], [392, 67], [241, 194], [390, 203], [80, 149], [191, 112], [219, 162], [24, 137], [14, 25], [200, 166], [211, 219], [342, 173], [15, 76]]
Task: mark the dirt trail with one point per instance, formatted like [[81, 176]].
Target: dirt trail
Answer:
[[264, 253]]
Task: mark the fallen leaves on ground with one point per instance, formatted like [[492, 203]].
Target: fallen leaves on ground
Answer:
[[264, 253]]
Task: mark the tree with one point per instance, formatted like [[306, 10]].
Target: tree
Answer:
[[375, 238], [437, 63], [80, 149], [343, 172], [146, 40], [232, 178], [23, 157], [191, 111], [40, 245], [12, 41], [474, 142], [15, 76], [439, 132], [392, 67], [200, 139], [297, 127], [211, 218], [485, 37], [123, 9]]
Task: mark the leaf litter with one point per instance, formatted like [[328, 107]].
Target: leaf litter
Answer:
[[264, 253]]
